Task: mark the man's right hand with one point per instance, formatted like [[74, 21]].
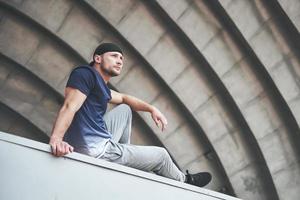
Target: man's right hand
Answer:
[[59, 147]]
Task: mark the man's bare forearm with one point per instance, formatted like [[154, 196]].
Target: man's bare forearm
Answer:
[[137, 104], [62, 123], [73, 101]]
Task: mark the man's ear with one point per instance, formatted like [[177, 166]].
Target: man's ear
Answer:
[[98, 59]]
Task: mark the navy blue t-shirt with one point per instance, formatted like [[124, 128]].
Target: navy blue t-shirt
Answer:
[[88, 128]]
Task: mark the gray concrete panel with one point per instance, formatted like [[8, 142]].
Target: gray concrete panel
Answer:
[[13, 30], [174, 8], [284, 153], [241, 83], [147, 91], [214, 120], [184, 145], [71, 31], [29, 97], [11, 121], [297, 21], [265, 47], [114, 10], [295, 107], [141, 28], [193, 22], [232, 148], [248, 180], [245, 16], [261, 116], [44, 57], [50, 62], [192, 88], [287, 179], [21, 93], [292, 9], [222, 53], [50, 13], [287, 81], [270, 46], [269, 122], [167, 58]]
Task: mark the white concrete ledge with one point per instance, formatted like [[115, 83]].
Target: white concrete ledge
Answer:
[[29, 171]]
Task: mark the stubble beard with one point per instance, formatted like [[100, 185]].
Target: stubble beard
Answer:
[[108, 71]]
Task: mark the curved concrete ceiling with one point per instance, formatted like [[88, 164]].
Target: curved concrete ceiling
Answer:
[[225, 73]]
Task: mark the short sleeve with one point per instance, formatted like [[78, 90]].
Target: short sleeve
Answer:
[[82, 79]]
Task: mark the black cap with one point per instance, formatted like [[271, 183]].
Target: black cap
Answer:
[[107, 47]]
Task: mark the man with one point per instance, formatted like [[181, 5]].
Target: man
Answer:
[[84, 126]]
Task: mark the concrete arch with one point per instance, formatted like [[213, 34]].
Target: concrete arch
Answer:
[[291, 8], [27, 95], [284, 128], [228, 102], [232, 117], [12, 122]]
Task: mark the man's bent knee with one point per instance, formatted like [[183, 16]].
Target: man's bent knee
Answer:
[[163, 154], [125, 108]]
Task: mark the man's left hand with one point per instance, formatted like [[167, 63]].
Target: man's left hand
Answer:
[[159, 119]]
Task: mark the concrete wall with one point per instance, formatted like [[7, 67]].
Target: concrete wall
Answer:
[[225, 73], [101, 178]]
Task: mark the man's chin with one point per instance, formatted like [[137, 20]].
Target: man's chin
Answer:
[[113, 74]]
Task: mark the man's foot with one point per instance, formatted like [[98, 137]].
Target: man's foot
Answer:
[[200, 179]]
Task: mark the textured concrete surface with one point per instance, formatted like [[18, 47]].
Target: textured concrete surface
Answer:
[[225, 73], [133, 183]]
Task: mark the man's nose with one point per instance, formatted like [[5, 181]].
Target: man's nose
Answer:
[[119, 62]]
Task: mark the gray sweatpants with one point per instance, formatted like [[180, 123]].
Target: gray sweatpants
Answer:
[[146, 158]]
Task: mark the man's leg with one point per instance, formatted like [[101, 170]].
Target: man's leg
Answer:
[[146, 158], [118, 123]]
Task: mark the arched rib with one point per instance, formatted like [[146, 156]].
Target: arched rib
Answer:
[[14, 123]]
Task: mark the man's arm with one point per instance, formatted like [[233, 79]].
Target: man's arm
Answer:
[[139, 105], [73, 101]]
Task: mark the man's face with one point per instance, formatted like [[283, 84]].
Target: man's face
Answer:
[[112, 63]]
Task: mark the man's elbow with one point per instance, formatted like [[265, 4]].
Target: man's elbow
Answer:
[[125, 99]]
